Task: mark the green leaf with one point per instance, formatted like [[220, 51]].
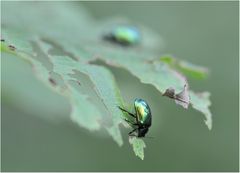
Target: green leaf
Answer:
[[168, 59], [186, 68], [19, 83], [80, 104], [69, 43], [138, 146], [201, 102], [104, 85], [193, 70]]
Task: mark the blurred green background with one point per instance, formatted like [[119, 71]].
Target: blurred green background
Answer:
[[205, 33]]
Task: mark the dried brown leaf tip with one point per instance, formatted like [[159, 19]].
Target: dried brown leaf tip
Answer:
[[181, 98]]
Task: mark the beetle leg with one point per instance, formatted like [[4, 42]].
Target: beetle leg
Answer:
[[131, 122], [128, 121], [132, 132], [127, 112]]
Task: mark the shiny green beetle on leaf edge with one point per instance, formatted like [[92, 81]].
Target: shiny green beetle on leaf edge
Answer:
[[142, 116]]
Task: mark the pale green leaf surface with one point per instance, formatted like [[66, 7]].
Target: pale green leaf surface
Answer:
[[80, 37], [39, 100], [84, 112], [201, 102], [138, 146], [80, 104], [105, 87]]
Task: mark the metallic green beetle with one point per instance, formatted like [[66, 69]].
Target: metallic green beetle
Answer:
[[124, 35], [143, 118]]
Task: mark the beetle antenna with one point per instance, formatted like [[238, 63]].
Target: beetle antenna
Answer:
[[151, 137]]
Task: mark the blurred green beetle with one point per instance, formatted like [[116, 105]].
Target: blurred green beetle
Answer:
[[123, 35]]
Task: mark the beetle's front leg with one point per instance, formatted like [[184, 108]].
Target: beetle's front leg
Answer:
[[132, 132], [127, 112], [135, 124]]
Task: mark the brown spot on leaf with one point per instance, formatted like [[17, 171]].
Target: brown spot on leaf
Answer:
[[52, 81], [11, 47]]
